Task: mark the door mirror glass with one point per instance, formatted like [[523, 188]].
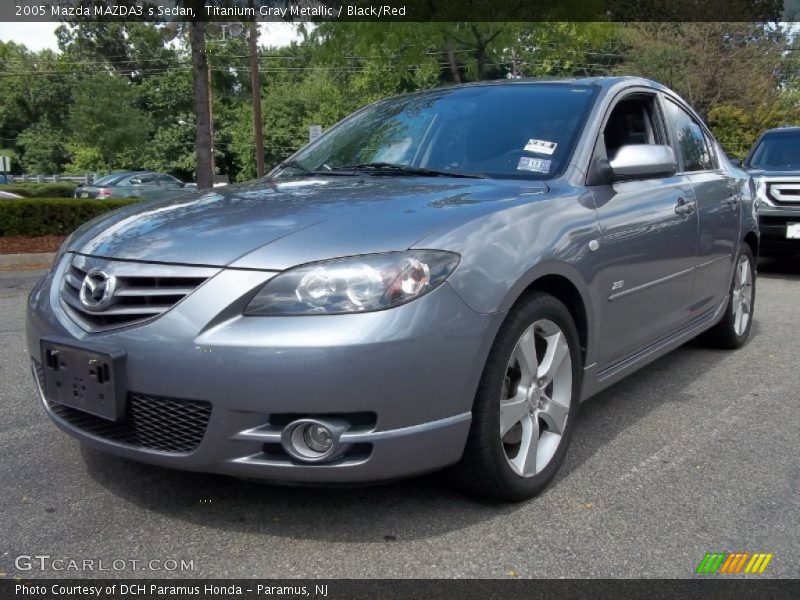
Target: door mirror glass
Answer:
[[643, 161]]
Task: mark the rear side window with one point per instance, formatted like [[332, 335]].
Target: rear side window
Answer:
[[110, 179], [166, 180], [691, 141]]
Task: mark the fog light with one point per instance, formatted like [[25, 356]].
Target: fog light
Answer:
[[318, 437], [314, 440]]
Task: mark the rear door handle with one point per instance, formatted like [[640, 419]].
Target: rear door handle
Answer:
[[684, 208]]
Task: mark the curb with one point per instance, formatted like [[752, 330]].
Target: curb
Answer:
[[26, 261]]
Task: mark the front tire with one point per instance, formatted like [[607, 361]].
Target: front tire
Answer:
[[526, 404], [734, 328]]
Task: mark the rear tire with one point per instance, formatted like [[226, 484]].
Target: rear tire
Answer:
[[734, 328], [526, 404]]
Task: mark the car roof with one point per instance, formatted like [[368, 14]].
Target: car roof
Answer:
[[605, 82], [127, 174], [784, 129]]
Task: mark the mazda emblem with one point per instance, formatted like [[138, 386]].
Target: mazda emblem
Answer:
[[97, 290]]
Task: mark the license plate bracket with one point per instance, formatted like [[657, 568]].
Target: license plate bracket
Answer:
[[88, 379], [793, 231]]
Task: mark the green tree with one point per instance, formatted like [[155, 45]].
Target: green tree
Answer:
[[44, 152], [562, 49], [737, 129], [127, 48], [741, 64], [117, 132], [167, 100], [33, 90]]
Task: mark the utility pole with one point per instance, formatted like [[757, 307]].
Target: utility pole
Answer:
[[255, 83]]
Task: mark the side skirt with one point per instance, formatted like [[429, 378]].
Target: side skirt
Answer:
[[596, 381]]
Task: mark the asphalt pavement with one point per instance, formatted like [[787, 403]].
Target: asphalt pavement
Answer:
[[696, 453]]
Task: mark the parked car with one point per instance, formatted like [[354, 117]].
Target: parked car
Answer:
[[131, 184], [436, 282], [774, 163]]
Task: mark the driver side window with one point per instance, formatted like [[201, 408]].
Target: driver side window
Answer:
[[631, 122]]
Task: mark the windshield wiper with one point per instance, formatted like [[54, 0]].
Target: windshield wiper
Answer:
[[405, 170], [295, 164]]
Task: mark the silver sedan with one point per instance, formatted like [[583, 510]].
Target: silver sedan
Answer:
[[435, 283]]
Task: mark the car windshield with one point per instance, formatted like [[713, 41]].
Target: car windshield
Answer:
[[518, 130], [109, 179], [778, 151]]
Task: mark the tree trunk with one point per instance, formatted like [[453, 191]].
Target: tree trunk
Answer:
[[480, 59], [203, 146], [451, 59], [255, 81]]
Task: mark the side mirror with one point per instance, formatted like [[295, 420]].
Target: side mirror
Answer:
[[736, 162], [642, 161]]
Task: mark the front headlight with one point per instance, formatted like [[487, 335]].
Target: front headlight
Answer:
[[62, 250], [354, 284], [761, 193]]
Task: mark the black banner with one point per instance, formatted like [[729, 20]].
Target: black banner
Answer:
[[396, 10], [252, 589]]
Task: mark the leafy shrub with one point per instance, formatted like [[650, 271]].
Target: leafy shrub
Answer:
[[41, 190], [51, 216]]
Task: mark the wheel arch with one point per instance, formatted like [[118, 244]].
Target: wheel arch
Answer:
[[752, 240], [561, 282]]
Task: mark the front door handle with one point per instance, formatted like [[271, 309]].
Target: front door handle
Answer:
[[732, 200], [684, 208]]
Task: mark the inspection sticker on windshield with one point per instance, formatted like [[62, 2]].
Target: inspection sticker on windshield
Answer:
[[537, 165], [541, 146]]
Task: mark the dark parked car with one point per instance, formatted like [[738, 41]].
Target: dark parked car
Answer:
[[774, 163], [438, 281], [131, 184]]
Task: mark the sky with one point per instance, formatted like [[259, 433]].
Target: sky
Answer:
[[37, 36]]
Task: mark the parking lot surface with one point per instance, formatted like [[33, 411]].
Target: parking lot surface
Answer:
[[696, 453]]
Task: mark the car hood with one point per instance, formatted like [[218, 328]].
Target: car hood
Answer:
[[773, 174], [274, 225]]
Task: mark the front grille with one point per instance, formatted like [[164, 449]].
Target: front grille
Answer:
[[784, 193], [152, 422], [140, 291]]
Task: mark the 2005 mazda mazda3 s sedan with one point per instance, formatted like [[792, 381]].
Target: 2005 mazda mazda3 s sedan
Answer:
[[438, 281]]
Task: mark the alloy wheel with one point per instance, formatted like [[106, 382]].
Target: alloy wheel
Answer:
[[742, 297], [535, 398]]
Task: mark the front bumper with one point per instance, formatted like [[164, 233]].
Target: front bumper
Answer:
[[403, 378], [772, 223]]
